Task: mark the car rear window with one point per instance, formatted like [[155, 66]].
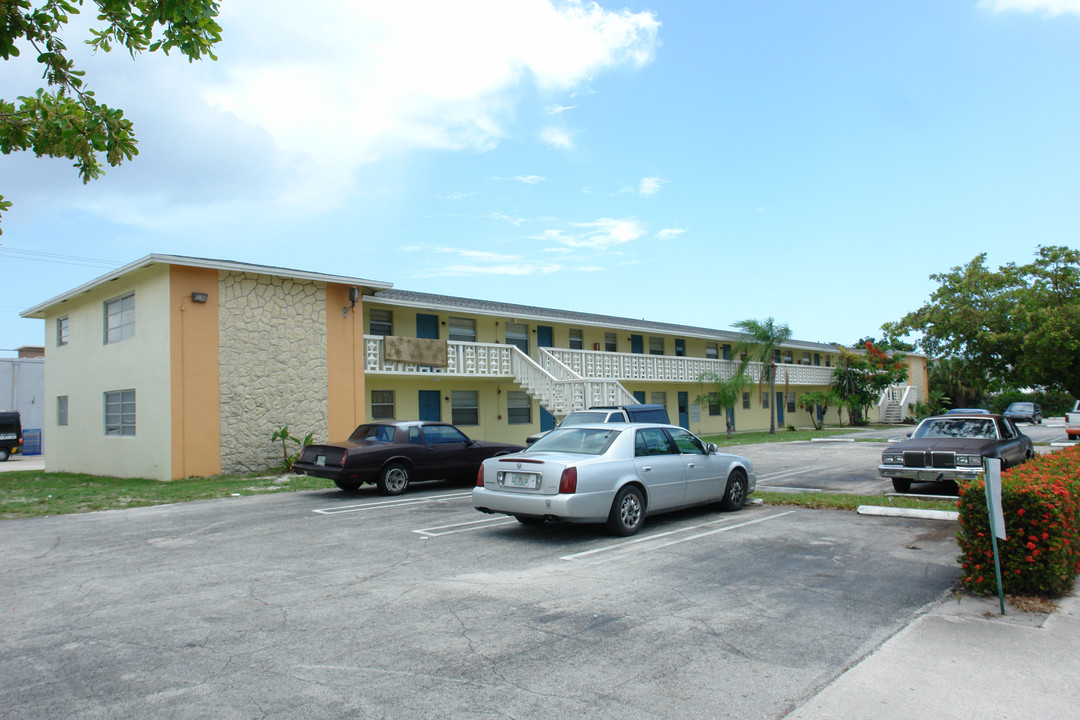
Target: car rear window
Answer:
[[587, 441], [373, 433]]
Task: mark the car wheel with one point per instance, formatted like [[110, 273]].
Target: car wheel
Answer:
[[4, 454], [901, 485], [735, 494], [627, 512], [393, 480], [348, 485], [529, 519]]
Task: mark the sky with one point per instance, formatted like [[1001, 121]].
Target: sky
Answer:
[[698, 163]]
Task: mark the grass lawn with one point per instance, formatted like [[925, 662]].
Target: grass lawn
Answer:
[[36, 493]]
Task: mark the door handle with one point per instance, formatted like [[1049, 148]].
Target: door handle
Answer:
[[689, 465], [646, 468]]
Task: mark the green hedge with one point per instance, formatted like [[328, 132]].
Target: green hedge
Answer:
[[1041, 504]]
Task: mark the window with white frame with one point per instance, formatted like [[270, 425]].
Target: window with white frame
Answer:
[[656, 345], [62, 410], [518, 334], [712, 351], [746, 401], [611, 342], [62, 330], [787, 357], [765, 400], [462, 330], [680, 347], [464, 407], [791, 402], [120, 318], [380, 322], [120, 413], [518, 408], [382, 404], [577, 339]]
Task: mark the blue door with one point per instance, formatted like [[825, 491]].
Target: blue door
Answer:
[[684, 410], [430, 409], [637, 344], [427, 326], [547, 420], [544, 336], [779, 408], [639, 395]]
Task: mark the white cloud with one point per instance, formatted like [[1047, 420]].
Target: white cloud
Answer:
[[669, 233], [478, 263], [527, 179], [557, 138], [455, 196], [556, 109], [599, 234], [1048, 7], [649, 186], [383, 78]]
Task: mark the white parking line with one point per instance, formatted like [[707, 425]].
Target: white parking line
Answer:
[[386, 504], [627, 545], [781, 488], [440, 530], [794, 472]]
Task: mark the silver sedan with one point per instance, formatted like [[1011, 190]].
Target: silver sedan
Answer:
[[612, 473]]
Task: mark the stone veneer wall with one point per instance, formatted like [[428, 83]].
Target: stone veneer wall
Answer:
[[272, 365]]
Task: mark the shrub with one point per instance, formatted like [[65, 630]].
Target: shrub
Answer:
[[1041, 505]]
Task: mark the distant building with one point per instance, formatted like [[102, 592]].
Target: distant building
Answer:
[[22, 388]]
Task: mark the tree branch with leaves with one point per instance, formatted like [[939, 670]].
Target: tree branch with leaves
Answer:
[[64, 119]]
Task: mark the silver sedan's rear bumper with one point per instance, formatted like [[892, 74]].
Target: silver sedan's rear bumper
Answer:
[[579, 507]]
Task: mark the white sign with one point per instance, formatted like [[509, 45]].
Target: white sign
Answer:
[[993, 495]]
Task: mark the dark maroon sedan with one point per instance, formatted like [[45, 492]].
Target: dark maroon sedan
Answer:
[[393, 454]]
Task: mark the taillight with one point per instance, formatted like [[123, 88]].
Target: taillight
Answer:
[[568, 481], [480, 477]]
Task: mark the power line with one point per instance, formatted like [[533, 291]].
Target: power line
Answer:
[[57, 258]]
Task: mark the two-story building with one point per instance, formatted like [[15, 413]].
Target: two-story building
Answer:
[[175, 366]]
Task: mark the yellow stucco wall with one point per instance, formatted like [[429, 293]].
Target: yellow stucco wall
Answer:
[[346, 407], [86, 368], [196, 431]]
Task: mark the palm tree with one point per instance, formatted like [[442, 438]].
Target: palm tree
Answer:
[[724, 393], [761, 341]]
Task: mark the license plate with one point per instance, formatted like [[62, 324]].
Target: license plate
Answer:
[[521, 480], [7, 436], [928, 475], [320, 460]]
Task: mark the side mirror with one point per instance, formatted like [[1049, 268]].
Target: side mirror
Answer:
[[713, 448]]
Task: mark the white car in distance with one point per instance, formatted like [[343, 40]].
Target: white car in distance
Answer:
[[613, 473]]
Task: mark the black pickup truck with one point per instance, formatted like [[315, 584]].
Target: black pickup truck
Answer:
[[608, 414], [10, 434]]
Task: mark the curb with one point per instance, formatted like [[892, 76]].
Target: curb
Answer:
[[908, 512]]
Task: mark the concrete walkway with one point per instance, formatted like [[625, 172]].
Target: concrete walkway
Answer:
[[963, 659], [23, 462]]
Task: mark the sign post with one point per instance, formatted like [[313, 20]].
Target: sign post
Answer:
[[992, 466]]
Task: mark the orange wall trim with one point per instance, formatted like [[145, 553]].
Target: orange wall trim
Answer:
[[196, 388], [344, 363]]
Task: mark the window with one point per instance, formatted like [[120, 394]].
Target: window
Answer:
[[382, 404], [828, 361], [765, 400], [577, 339], [120, 413], [120, 319], [687, 443], [611, 344], [712, 352], [817, 358], [518, 408], [680, 347], [787, 357], [464, 407], [806, 358], [746, 401], [791, 402], [443, 435], [61, 410], [62, 330], [659, 398], [380, 322], [656, 346], [727, 351], [653, 441], [462, 330], [518, 334], [715, 409]]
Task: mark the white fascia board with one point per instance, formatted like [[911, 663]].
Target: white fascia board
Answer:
[[38, 311]]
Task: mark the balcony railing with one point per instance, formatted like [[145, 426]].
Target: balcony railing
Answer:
[[463, 359]]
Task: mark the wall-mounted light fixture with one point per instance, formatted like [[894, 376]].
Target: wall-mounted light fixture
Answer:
[[354, 295], [198, 297]]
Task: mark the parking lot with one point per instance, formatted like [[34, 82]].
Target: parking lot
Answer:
[[324, 604]]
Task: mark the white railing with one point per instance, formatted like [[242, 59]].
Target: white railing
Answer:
[[902, 396], [659, 368]]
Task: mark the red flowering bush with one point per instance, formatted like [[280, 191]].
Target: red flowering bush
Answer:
[[1041, 504]]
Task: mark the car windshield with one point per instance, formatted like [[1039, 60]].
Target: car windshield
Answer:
[[957, 428], [583, 418], [588, 441], [1020, 407], [373, 433]]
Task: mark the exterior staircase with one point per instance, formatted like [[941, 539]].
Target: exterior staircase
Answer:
[[560, 390]]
